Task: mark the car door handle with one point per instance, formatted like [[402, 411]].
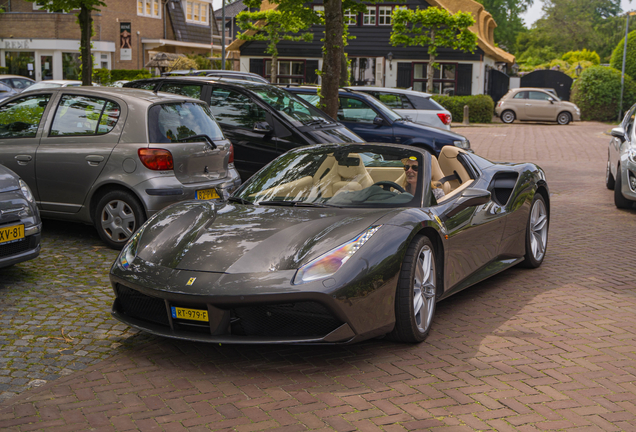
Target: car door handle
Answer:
[[528, 104], [23, 159], [94, 160]]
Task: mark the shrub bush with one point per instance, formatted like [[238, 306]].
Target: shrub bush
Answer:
[[128, 74], [4, 70], [616, 61], [480, 107], [583, 55], [101, 76], [597, 93]]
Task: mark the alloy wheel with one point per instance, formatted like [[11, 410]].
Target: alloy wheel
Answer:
[[538, 229], [508, 117], [424, 289], [118, 220]]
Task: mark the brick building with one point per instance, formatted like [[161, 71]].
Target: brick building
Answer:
[[45, 45]]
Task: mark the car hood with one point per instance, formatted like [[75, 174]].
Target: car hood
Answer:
[[431, 131], [236, 238], [569, 105], [8, 180]]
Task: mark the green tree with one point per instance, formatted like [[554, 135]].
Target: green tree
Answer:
[[507, 15], [616, 61], [583, 55], [286, 22], [569, 25], [85, 7], [434, 28]]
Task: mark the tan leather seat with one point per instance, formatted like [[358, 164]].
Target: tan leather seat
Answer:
[[342, 177]]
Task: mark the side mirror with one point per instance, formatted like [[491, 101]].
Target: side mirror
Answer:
[[470, 197], [551, 100], [618, 132], [262, 127], [378, 121]]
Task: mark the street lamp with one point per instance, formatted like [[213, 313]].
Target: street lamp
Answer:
[[620, 106], [578, 70]]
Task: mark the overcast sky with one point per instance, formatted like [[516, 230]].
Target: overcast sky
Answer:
[[533, 14]]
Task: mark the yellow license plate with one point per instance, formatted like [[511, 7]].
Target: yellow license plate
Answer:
[[15, 232], [207, 194], [190, 314]]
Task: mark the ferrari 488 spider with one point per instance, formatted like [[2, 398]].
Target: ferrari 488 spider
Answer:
[[332, 244]]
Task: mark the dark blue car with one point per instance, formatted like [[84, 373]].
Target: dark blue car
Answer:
[[375, 122]]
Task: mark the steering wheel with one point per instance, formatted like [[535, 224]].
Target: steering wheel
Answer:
[[386, 185]]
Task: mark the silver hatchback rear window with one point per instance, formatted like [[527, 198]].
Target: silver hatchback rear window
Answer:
[[172, 122]]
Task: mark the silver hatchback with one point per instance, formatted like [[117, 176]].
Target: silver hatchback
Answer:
[[114, 157]]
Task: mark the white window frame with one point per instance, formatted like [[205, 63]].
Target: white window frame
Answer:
[[145, 4], [202, 6], [370, 17], [350, 18], [384, 17]]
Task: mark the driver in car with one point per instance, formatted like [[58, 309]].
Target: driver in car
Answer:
[[411, 167]]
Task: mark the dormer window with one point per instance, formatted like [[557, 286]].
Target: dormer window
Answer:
[[197, 12]]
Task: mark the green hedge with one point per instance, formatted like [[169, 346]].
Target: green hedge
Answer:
[[597, 93], [129, 74], [616, 61], [4, 70], [481, 107]]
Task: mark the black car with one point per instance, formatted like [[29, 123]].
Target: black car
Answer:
[[262, 121], [20, 224], [376, 122]]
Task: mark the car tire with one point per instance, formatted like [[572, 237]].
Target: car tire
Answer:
[[564, 118], [609, 177], [508, 116], [619, 200], [117, 216], [416, 292], [536, 232]]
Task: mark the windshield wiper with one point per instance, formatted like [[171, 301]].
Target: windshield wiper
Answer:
[[296, 204], [316, 122], [239, 200]]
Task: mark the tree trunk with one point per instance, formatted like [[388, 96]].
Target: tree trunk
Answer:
[[429, 68], [333, 54], [344, 71], [273, 70], [86, 27]]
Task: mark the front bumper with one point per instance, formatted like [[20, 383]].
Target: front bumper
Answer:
[[628, 178], [22, 250], [248, 308]]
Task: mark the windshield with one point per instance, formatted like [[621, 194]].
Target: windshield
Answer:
[[290, 106], [339, 176], [171, 122]]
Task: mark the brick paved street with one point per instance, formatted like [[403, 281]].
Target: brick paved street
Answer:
[[546, 349]]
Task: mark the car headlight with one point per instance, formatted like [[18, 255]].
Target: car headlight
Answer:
[[26, 191], [464, 144], [328, 263], [129, 252], [631, 154]]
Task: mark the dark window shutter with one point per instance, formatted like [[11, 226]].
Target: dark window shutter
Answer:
[[464, 79], [256, 66], [311, 77], [404, 75]]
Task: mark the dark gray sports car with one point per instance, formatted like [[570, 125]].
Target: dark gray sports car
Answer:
[[332, 244]]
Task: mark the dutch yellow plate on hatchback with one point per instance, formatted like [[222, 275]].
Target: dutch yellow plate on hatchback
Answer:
[[15, 232], [207, 194], [190, 314]]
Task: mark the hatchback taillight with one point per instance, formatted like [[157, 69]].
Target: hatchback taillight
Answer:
[[231, 159], [445, 118], [156, 159]]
